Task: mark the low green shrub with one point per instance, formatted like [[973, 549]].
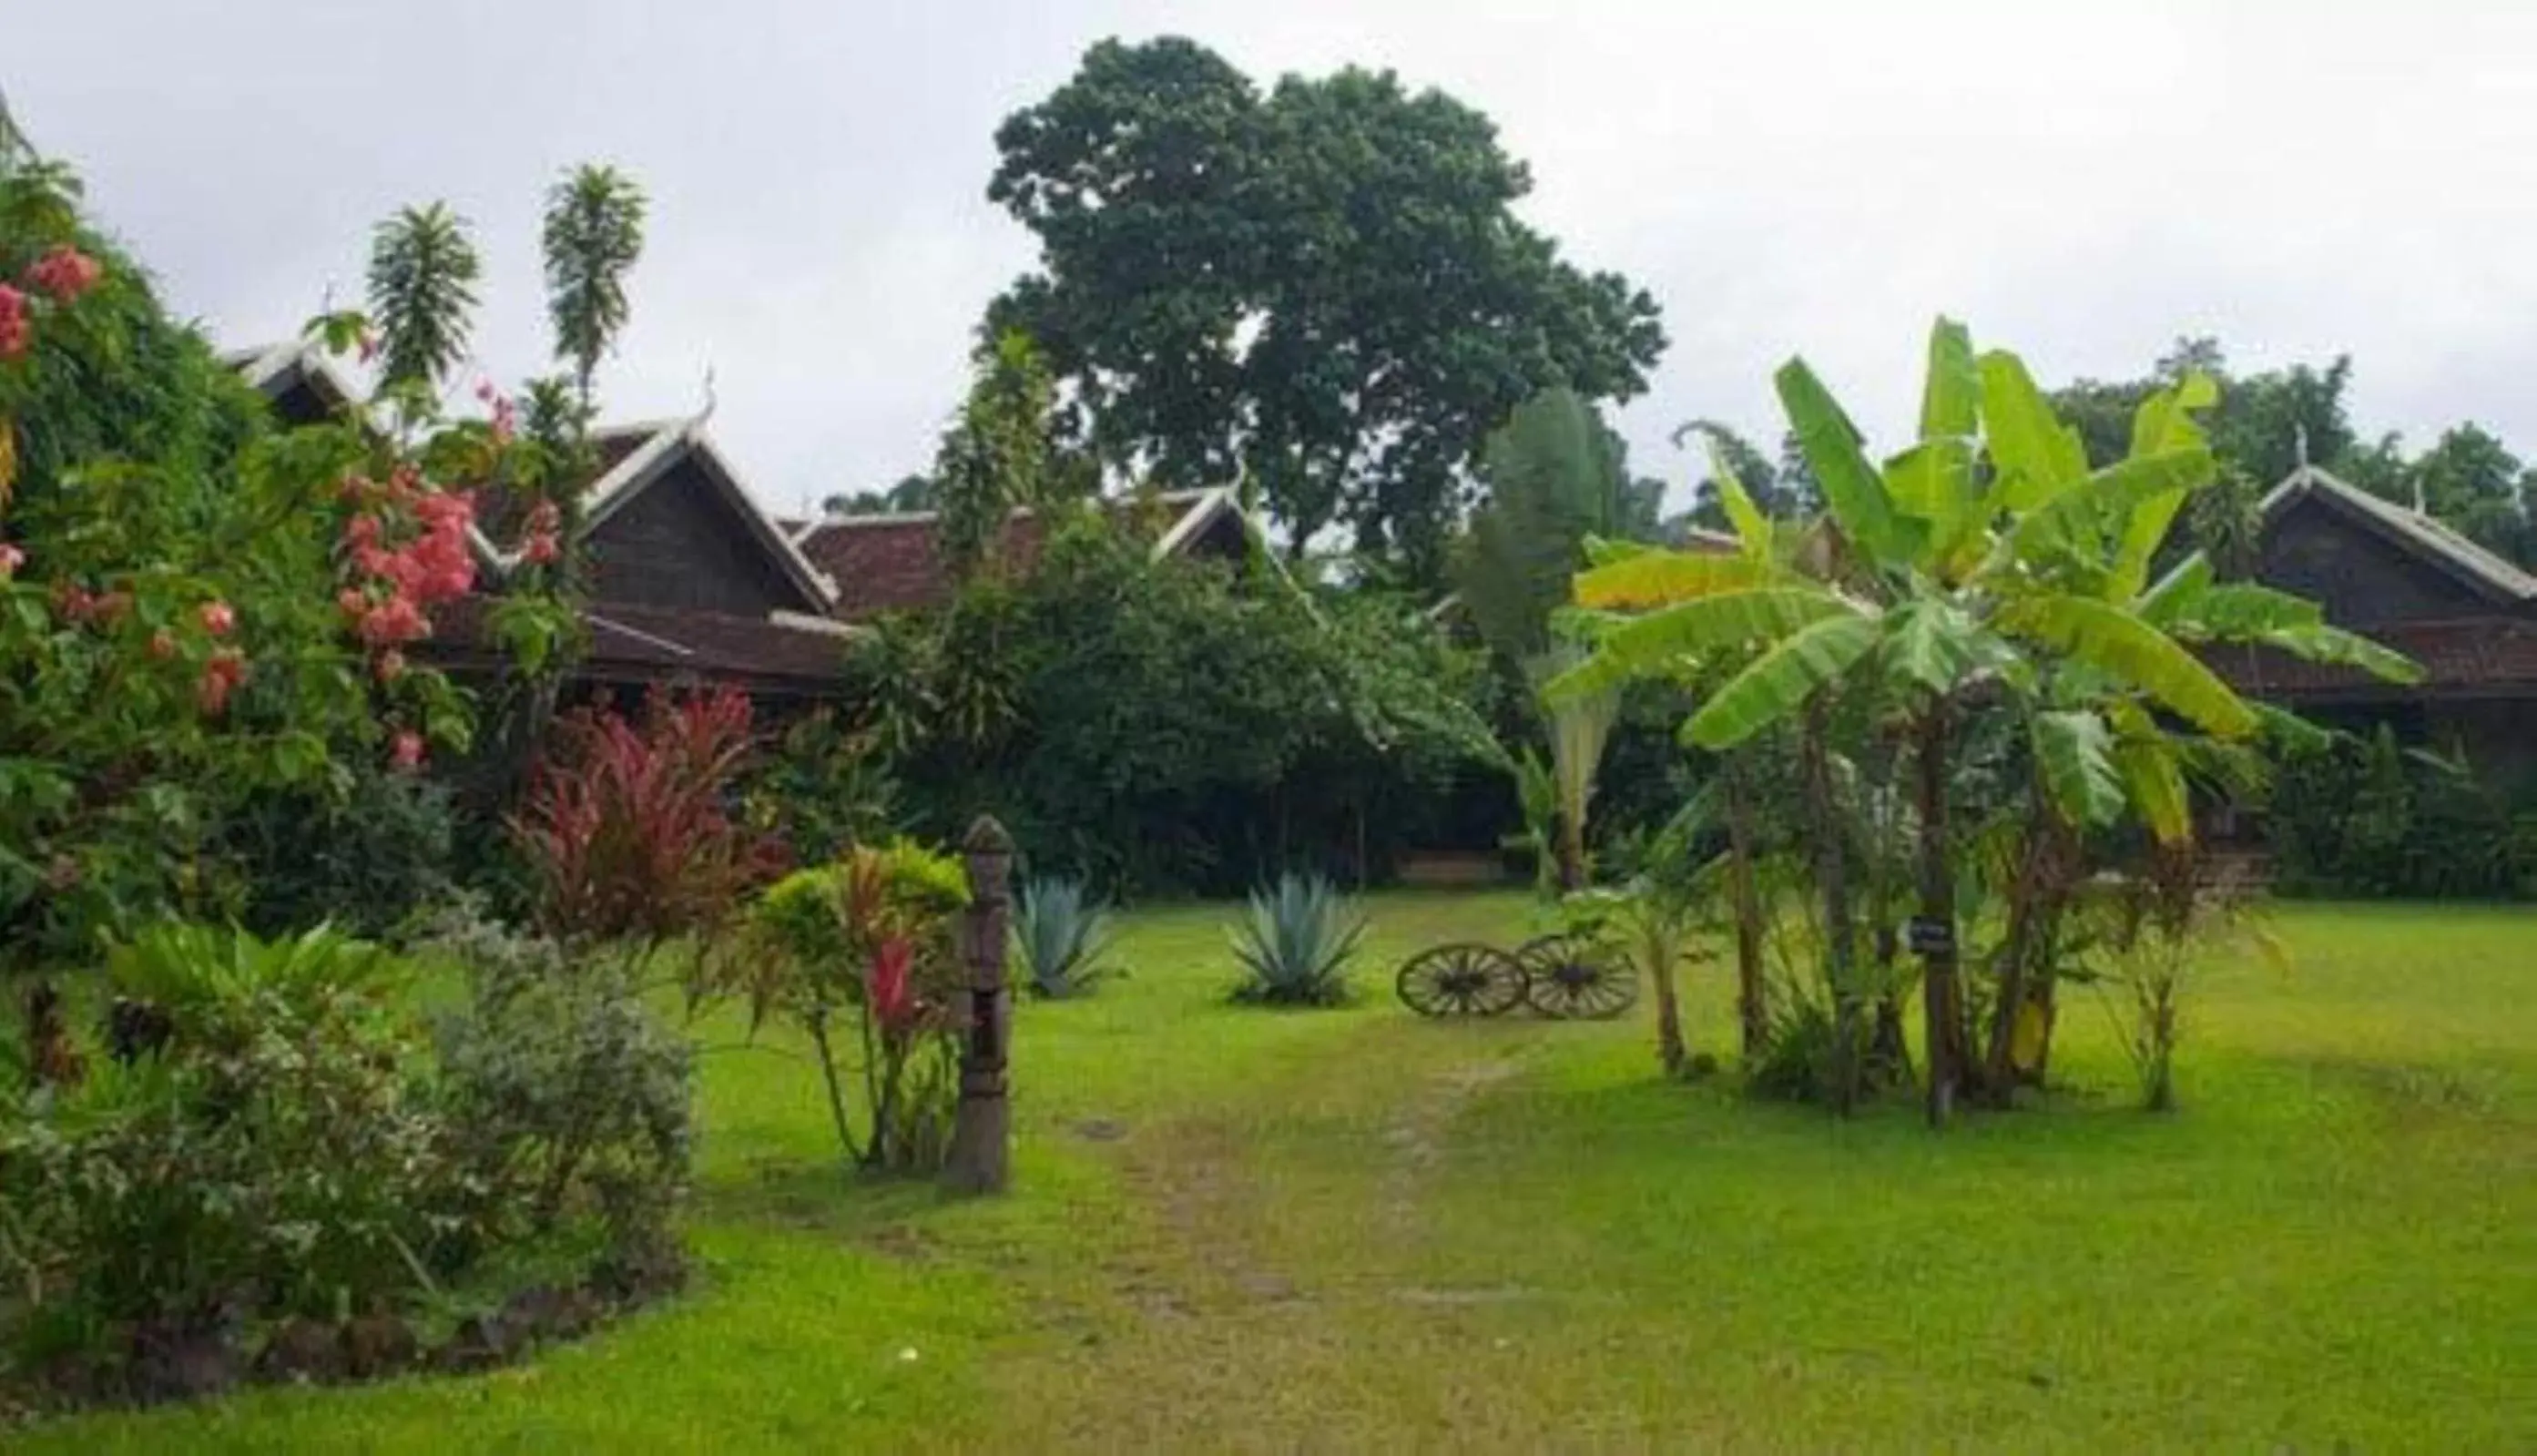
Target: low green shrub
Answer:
[[268, 1138], [370, 860], [274, 1151], [1295, 941], [1062, 936]]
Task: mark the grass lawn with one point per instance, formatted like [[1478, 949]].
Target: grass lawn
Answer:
[[1355, 1231]]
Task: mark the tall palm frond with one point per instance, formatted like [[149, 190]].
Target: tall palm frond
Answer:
[[423, 270]]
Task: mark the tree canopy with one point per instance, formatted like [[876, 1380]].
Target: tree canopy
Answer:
[[1322, 290]]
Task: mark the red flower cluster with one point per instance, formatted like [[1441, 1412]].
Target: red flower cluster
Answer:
[[65, 273], [410, 543], [223, 671], [404, 751], [15, 328], [11, 558], [544, 544]]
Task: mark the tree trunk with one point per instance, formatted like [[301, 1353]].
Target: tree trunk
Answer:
[[837, 1092], [1572, 852], [1752, 1010], [2033, 903], [1832, 881], [1942, 992], [1658, 946]]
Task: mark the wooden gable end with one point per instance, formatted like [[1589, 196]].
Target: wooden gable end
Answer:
[[681, 544], [2358, 573]]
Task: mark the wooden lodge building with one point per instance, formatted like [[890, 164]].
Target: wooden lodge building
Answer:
[[694, 583], [2467, 616]]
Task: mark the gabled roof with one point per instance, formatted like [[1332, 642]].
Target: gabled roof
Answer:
[[890, 562], [2417, 535], [274, 368], [632, 457]]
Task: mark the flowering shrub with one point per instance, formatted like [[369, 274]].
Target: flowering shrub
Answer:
[[871, 934], [630, 828], [196, 611]]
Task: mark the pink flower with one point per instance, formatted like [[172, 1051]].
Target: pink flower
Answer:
[[506, 421], [163, 644], [11, 558], [220, 677], [542, 550], [15, 330], [404, 751], [65, 273], [218, 618], [390, 666], [485, 391], [353, 601]]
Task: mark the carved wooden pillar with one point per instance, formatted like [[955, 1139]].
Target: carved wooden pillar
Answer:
[[982, 1130]]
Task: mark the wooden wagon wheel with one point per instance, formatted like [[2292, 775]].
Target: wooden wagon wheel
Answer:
[[1575, 978], [1464, 979]]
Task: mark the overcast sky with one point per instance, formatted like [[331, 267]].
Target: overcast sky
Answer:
[[2080, 182]]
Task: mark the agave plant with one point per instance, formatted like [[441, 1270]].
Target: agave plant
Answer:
[[1061, 935], [1296, 940]]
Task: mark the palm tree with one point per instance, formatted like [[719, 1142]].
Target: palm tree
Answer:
[[423, 270], [1953, 595], [592, 236]]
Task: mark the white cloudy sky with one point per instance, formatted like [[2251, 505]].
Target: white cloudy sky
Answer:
[[2083, 181]]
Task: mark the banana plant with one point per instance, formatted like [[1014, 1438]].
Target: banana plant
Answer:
[[1985, 566]]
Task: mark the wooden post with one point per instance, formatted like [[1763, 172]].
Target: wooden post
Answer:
[[982, 1129]]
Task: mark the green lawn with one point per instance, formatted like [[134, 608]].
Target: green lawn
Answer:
[[1355, 1230]]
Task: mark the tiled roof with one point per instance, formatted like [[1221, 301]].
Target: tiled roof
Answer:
[[630, 643], [2461, 656], [891, 563]]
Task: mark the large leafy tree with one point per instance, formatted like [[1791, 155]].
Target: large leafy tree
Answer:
[[1323, 290]]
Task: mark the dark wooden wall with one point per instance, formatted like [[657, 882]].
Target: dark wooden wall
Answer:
[[681, 544], [2360, 576]]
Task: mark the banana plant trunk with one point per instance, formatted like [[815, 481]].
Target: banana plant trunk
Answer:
[[1752, 1012], [2035, 904], [1832, 881], [1941, 987]]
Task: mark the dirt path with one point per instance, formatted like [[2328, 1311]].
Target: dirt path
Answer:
[[1274, 1276]]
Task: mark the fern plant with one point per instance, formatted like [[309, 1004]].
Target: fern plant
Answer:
[[1295, 941], [1061, 934]]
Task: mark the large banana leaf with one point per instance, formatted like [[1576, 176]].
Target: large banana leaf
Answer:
[[1656, 578], [1935, 481], [2156, 786], [1751, 526], [1951, 399], [1661, 641], [2173, 598], [2036, 456], [2332, 644], [2109, 494], [1851, 487], [1780, 681], [2075, 752], [2117, 642], [1932, 643], [2165, 422]]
